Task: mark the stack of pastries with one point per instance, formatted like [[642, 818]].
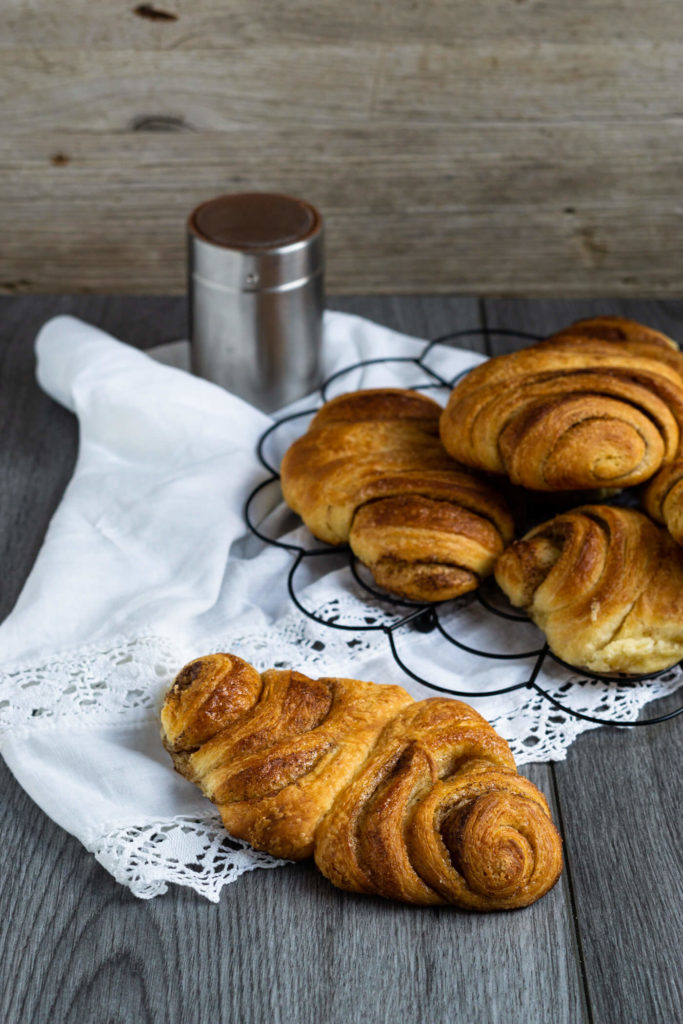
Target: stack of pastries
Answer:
[[418, 492], [420, 800]]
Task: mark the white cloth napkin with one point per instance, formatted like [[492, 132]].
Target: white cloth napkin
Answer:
[[147, 563]]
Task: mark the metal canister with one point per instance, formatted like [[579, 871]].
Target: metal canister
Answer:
[[256, 295]]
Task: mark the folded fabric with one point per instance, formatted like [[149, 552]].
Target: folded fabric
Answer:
[[147, 563]]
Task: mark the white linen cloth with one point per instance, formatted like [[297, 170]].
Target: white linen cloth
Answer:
[[147, 563]]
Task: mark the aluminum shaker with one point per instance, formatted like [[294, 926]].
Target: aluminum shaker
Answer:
[[255, 265]]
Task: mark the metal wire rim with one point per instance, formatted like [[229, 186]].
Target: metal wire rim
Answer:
[[425, 617]]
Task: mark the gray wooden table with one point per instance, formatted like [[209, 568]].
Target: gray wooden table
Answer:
[[284, 946]]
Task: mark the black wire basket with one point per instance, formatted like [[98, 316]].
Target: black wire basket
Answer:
[[427, 618]]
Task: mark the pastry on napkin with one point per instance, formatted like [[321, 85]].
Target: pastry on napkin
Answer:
[[147, 560]]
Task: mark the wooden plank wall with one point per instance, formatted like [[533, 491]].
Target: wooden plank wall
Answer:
[[479, 146]]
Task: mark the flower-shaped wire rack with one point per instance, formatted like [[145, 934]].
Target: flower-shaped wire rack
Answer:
[[426, 617]]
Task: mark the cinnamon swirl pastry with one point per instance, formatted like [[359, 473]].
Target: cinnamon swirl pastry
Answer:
[[599, 405], [417, 801], [663, 498], [605, 585], [629, 334], [371, 471]]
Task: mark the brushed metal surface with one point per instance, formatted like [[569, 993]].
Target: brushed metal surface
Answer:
[[255, 314]]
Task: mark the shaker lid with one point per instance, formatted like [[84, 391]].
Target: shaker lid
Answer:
[[251, 221], [255, 241]]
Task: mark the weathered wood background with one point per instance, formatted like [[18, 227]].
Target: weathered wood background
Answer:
[[480, 146]]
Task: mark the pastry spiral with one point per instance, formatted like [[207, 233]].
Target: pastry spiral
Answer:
[[663, 498], [418, 801], [605, 585], [582, 410], [371, 471]]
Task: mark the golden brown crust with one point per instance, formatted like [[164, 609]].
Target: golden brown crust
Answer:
[[271, 769], [636, 337], [417, 801], [207, 695], [371, 471], [438, 814], [605, 585], [663, 498], [578, 411], [378, 404]]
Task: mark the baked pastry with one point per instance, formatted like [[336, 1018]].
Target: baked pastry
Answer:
[[605, 585], [634, 336], [582, 410], [412, 800], [372, 472], [663, 498]]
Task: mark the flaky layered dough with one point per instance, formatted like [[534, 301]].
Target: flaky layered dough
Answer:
[[663, 498], [599, 405], [634, 336], [418, 801], [606, 587], [371, 471]]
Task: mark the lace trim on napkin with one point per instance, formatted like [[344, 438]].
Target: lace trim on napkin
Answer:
[[123, 681], [195, 852]]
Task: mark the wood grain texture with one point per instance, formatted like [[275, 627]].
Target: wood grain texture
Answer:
[[625, 874], [631, 929], [412, 207], [330, 83], [281, 945], [213, 24], [544, 317], [517, 146], [39, 437]]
